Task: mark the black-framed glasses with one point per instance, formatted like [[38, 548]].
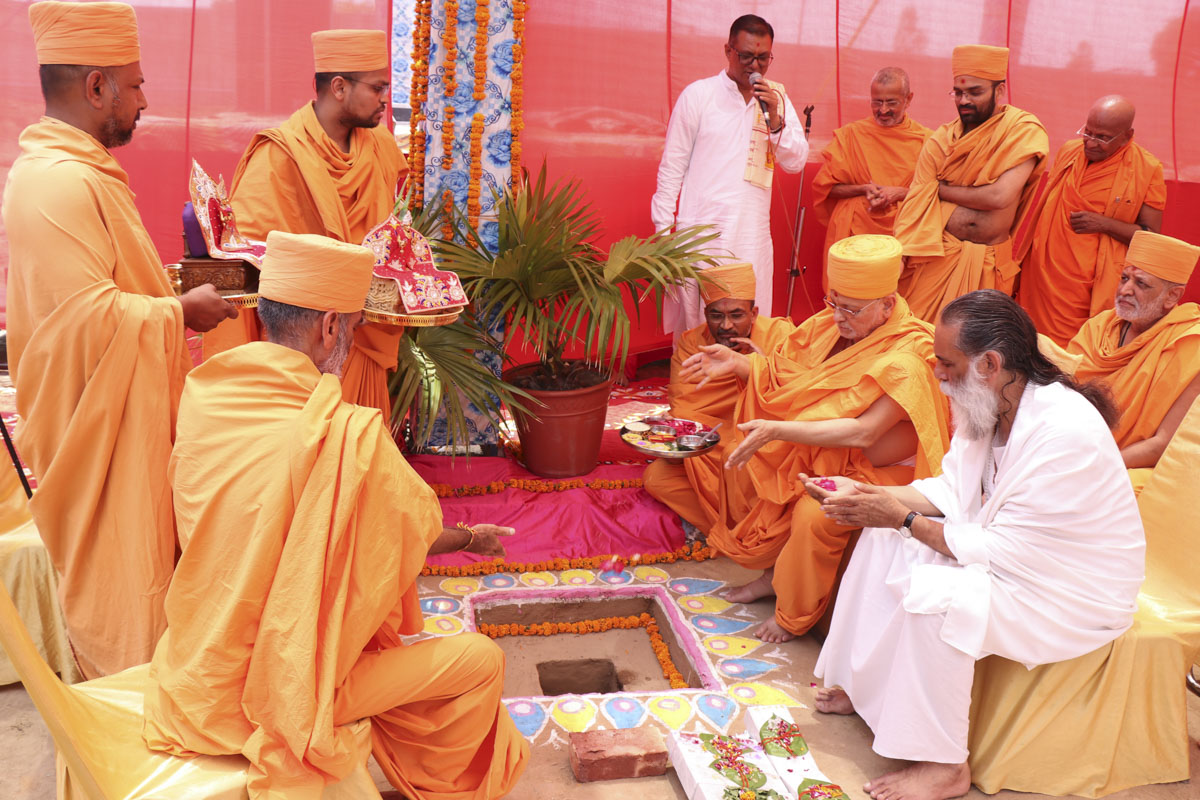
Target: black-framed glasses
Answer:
[[1101, 139], [747, 59], [380, 89], [849, 312]]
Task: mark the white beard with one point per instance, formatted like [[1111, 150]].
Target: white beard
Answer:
[[341, 349], [974, 407]]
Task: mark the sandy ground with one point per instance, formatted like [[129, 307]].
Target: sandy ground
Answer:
[[841, 745]]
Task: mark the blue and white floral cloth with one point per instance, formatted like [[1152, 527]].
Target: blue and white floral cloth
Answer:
[[496, 108]]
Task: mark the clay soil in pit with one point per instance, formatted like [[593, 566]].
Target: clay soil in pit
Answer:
[[637, 668]]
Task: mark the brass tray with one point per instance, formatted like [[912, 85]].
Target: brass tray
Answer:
[[412, 320]]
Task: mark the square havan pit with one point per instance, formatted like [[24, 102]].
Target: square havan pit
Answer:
[[591, 663]]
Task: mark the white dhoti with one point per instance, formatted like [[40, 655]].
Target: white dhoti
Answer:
[[910, 687]]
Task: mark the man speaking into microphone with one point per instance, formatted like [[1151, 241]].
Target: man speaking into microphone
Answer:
[[726, 135]]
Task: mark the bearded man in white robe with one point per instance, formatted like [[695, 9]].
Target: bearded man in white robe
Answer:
[[1038, 558]]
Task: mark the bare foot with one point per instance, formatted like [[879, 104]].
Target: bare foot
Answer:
[[833, 700], [924, 780], [756, 589], [772, 632]]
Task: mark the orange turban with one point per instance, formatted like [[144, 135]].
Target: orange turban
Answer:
[[310, 271], [1162, 256], [865, 267], [89, 34], [349, 51], [736, 280], [980, 61]]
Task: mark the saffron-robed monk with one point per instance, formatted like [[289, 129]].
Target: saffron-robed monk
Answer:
[[850, 389], [869, 163], [1102, 189], [303, 532], [95, 338], [332, 169], [973, 185], [1146, 349]]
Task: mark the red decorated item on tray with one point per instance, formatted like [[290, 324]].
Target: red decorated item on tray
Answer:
[[215, 215], [406, 280]]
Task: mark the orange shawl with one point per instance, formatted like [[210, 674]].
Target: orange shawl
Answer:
[[798, 382], [294, 178], [1147, 374], [1070, 277], [303, 533], [949, 267], [715, 401], [97, 352], [864, 152]]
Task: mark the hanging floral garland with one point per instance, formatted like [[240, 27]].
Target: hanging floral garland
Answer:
[[450, 43], [482, 17], [419, 94], [518, 88]]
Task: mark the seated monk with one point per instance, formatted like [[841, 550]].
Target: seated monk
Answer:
[[1146, 349], [1038, 559], [303, 531], [849, 390], [731, 319]]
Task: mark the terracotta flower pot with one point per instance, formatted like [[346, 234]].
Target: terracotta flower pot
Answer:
[[564, 441]]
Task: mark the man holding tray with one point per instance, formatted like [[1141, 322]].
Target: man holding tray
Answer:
[[95, 338], [330, 169]]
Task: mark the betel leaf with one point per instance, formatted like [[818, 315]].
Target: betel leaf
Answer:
[[778, 740], [812, 789]]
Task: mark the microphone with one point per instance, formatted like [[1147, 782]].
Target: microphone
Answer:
[[755, 77]]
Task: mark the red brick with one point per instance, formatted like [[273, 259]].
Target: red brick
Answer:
[[610, 754]]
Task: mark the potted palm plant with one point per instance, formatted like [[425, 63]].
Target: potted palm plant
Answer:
[[548, 278]]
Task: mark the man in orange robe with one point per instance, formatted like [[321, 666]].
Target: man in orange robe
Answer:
[[1146, 349], [869, 163], [95, 339], [732, 320], [851, 389], [331, 169], [1102, 189], [303, 532], [973, 184]]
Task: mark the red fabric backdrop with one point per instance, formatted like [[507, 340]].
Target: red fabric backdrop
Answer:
[[602, 76]]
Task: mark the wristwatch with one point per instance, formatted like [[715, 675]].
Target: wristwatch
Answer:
[[906, 528]]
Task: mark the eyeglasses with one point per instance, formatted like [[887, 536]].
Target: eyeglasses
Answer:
[[973, 93], [1101, 139], [850, 313], [717, 318], [890, 105], [380, 89], [749, 58]]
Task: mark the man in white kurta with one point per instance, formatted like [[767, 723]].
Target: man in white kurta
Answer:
[[719, 161], [1039, 559]]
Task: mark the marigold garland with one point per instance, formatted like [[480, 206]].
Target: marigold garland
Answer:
[[689, 552], [474, 207], [518, 89], [659, 645], [482, 19], [450, 43], [533, 485], [418, 96], [447, 137], [447, 214]]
